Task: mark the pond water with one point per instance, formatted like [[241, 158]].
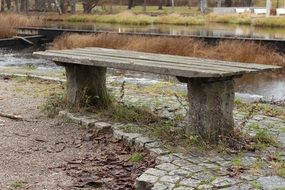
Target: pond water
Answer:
[[268, 85], [213, 29]]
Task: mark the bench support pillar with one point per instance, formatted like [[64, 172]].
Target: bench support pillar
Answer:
[[211, 108], [86, 85]]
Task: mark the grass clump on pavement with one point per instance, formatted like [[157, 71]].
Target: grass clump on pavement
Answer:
[[17, 184], [54, 103], [136, 157]]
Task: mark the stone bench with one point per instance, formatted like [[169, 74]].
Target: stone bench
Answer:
[[210, 82]]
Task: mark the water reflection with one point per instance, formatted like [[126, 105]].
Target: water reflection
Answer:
[[218, 30], [269, 85]]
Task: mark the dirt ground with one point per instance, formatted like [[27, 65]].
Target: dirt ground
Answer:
[[50, 153]]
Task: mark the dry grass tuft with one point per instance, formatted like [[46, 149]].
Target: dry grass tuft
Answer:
[[8, 23], [128, 17], [249, 52]]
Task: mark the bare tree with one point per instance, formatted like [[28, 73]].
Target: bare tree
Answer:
[[2, 4], [88, 5], [203, 5], [24, 5], [73, 6], [8, 3], [160, 4], [16, 5], [189, 4], [144, 5], [228, 3], [130, 4]]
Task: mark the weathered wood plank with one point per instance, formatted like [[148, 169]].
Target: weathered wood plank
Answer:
[[134, 66], [154, 56], [154, 63], [195, 63], [157, 62]]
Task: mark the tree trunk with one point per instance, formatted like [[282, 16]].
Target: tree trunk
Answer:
[[88, 5], [130, 4], [73, 6], [40, 5], [8, 3], [203, 5], [228, 3], [24, 6], [268, 7], [189, 4], [49, 5], [63, 6], [160, 5], [17, 5], [219, 3], [144, 5]]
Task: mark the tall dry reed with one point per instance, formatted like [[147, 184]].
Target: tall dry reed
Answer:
[[249, 52], [8, 23]]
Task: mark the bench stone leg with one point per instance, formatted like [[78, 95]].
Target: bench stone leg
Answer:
[[86, 84], [211, 108]]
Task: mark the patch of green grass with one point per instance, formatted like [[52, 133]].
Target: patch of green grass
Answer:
[[259, 108], [256, 185], [20, 79], [230, 19], [30, 66], [17, 184], [269, 22], [136, 157], [253, 126], [208, 181], [263, 136], [258, 165], [281, 171], [237, 161], [53, 104], [129, 113]]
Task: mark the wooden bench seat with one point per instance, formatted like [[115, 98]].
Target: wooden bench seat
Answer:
[[210, 82]]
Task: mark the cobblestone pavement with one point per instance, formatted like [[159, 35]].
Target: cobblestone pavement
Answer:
[[246, 170], [211, 171]]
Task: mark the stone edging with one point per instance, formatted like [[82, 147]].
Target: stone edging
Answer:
[[165, 175]]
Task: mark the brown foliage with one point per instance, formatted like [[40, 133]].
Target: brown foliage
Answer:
[[8, 23], [249, 52]]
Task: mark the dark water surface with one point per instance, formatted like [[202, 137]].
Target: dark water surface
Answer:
[[214, 29]]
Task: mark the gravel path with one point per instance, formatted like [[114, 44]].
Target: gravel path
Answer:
[[39, 153]]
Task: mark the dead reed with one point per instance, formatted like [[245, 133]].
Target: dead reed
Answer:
[[249, 52], [8, 23]]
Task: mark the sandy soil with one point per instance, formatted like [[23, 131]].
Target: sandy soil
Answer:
[[44, 153]]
